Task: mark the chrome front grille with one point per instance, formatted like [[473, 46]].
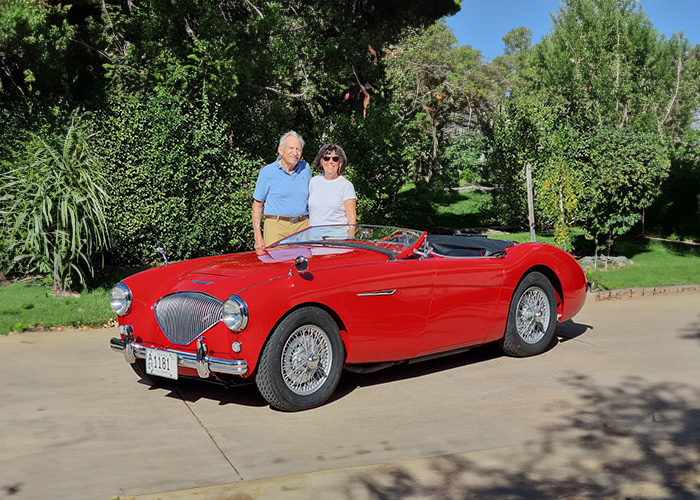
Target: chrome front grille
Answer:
[[184, 316]]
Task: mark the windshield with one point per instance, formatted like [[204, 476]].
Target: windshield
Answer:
[[395, 242]]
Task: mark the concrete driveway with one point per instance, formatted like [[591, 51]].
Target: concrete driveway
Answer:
[[612, 411]]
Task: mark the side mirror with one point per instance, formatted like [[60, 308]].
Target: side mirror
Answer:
[[301, 264], [161, 250]]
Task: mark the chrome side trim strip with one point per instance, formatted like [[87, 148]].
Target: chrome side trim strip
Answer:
[[378, 293], [203, 365]]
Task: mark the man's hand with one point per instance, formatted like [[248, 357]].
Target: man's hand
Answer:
[[259, 244]]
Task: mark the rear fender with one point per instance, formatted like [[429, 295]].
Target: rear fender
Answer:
[[554, 280]]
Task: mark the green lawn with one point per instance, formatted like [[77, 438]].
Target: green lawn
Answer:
[[26, 304], [31, 303], [656, 263], [451, 209]]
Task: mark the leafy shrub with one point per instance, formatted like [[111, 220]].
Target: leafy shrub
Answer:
[[176, 177], [677, 210], [519, 136], [54, 201], [560, 187], [461, 157], [627, 170]]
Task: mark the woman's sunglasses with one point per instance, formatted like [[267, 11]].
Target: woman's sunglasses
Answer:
[[336, 159]]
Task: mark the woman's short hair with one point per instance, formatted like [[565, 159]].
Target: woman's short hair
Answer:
[[292, 134], [329, 148]]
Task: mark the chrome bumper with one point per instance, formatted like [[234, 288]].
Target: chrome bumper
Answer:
[[200, 361]]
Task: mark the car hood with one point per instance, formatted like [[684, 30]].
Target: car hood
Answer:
[[248, 268], [237, 272]]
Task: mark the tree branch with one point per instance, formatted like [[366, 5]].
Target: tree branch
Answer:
[[679, 67], [9, 75], [255, 8], [100, 52], [190, 31]]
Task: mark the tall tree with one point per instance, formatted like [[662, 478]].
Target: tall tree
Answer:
[[436, 86], [607, 61], [245, 70], [271, 65], [603, 66], [517, 40]]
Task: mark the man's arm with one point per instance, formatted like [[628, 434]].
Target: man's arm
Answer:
[[257, 225]]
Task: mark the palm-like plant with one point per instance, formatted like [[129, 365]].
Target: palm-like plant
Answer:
[[56, 203]]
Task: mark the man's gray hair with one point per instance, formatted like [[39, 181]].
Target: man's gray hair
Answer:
[[291, 133]]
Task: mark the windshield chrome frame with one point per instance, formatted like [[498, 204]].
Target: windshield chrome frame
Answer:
[[366, 233]]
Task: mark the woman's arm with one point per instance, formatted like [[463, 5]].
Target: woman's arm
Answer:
[[351, 214]]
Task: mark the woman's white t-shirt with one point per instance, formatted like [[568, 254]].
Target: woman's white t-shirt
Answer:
[[326, 200]]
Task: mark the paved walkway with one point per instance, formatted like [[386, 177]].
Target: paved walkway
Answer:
[[612, 411]]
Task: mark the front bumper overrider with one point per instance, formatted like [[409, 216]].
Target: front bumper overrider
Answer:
[[200, 361]]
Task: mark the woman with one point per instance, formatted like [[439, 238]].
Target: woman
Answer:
[[332, 198]]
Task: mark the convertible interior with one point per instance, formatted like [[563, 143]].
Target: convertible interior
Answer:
[[463, 245]]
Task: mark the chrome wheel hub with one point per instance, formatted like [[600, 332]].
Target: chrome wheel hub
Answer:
[[306, 359], [312, 362]]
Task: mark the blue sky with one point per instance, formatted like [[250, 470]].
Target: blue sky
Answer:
[[482, 23]]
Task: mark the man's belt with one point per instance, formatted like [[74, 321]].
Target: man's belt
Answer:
[[289, 218]]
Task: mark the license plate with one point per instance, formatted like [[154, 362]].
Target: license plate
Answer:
[[161, 363]]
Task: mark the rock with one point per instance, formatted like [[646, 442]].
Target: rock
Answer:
[[604, 262]]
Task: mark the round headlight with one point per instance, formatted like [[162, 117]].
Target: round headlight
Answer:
[[120, 299], [235, 314]]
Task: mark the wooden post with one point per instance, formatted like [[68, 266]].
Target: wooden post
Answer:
[[530, 202]]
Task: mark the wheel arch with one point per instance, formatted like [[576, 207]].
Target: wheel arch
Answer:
[[301, 362], [553, 279], [319, 305], [334, 315]]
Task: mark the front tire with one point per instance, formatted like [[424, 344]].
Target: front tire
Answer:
[[301, 363], [531, 318]]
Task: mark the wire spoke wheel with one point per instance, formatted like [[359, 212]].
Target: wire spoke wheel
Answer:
[[306, 358], [301, 363], [532, 316]]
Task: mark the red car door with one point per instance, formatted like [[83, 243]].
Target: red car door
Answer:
[[385, 308], [467, 292]]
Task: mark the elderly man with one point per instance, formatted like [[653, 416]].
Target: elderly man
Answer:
[[282, 190]]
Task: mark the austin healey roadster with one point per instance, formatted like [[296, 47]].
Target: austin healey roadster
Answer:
[[333, 298]]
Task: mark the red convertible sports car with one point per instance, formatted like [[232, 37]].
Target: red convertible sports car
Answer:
[[330, 298]]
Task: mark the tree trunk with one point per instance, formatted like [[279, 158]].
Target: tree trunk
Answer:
[[530, 202]]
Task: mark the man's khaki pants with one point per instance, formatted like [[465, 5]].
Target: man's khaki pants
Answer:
[[274, 230]]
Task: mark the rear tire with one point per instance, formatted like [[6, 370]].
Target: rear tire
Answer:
[[301, 363], [531, 318]]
